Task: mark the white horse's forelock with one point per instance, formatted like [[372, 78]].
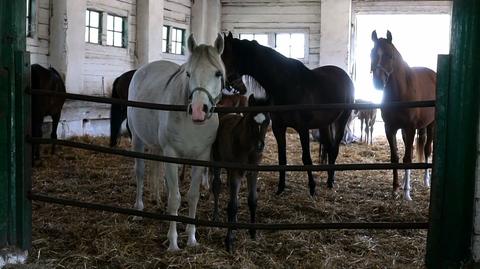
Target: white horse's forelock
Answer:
[[253, 87], [209, 52]]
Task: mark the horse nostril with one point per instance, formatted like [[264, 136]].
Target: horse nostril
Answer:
[[205, 108]]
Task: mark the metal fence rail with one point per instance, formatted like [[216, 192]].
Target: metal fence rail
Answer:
[[238, 225]]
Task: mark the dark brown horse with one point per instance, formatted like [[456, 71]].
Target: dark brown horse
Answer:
[[287, 82], [118, 113], [240, 139], [400, 82], [45, 105]]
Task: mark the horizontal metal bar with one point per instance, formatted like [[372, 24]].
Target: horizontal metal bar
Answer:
[[279, 108], [257, 226], [249, 167]]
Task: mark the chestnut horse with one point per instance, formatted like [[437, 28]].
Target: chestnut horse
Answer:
[[401, 82], [286, 82], [367, 116], [239, 139]]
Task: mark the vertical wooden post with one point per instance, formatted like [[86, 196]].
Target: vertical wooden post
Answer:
[[15, 210], [451, 210]]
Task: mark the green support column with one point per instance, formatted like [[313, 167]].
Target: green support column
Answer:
[[451, 210], [15, 210]]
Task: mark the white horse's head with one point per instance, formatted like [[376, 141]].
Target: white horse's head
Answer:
[[205, 72]]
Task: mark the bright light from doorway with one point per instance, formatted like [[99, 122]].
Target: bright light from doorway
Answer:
[[418, 38]]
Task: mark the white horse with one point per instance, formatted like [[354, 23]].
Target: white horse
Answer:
[[198, 84]]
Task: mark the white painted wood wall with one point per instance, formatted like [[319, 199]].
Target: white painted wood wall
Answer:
[[38, 42], [276, 16]]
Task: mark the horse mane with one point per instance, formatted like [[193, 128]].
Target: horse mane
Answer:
[[253, 87]]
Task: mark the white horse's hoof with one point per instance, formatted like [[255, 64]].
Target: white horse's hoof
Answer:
[[407, 197], [137, 218], [173, 248], [192, 243]]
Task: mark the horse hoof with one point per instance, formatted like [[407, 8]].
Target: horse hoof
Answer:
[[253, 234], [280, 191], [137, 218], [193, 243], [173, 249], [330, 185]]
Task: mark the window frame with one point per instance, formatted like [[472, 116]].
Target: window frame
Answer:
[[123, 31], [171, 44], [271, 33], [30, 27], [99, 28]]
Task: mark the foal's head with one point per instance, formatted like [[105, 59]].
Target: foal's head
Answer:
[[205, 73], [259, 122], [383, 57]]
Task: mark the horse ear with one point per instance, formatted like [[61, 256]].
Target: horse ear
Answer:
[[374, 36], [191, 43], [389, 36], [219, 43], [230, 35]]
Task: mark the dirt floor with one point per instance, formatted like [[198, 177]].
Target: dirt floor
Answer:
[[66, 237]]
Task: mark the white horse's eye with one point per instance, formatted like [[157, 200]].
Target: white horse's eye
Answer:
[[218, 73], [188, 74]]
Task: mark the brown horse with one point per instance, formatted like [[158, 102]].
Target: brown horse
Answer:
[[45, 105], [118, 113], [400, 82], [239, 139], [367, 117], [286, 82]]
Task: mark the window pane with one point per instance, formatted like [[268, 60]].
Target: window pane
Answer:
[[246, 36], [282, 43], [109, 38], [87, 18], [117, 39], [94, 19], [164, 46], [86, 34], [179, 36], [297, 46], [174, 34], [94, 35], [179, 48], [262, 39], [109, 22], [164, 32], [119, 24]]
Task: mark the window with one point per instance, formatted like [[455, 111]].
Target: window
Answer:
[[290, 44], [262, 39], [116, 31], [92, 27], [173, 40], [29, 19]]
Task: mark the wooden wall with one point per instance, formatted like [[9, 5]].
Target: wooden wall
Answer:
[[38, 42], [275, 16]]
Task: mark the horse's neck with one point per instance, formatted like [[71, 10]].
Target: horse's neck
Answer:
[[399, 83]]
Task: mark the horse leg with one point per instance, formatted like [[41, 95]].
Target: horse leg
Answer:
[[234, 179], [171, 172], [53, 134], [252, 199], [407, 158], [193, 196], [138, 146], [390, 133], [117, 115], [361, 130], [428, 151], [371, 131], [36, 132], [216, 189], [279, 133], [156, 176], [306, 158]]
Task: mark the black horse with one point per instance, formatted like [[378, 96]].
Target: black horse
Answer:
[[118, 113], [45, 105], [286, 82]]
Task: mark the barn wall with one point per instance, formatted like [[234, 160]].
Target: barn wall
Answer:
[[102, 64], [276, 16], [38, 42], [177, 13]]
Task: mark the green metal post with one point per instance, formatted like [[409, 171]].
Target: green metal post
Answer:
[[451, 211], [15, 210]]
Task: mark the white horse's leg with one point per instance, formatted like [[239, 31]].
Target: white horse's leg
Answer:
[[197, 176], [157, 176], [138, 146], [205, 177], [426, 178], [171, 172], [406, 185]]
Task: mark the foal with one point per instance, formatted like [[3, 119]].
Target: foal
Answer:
[[367, 116], [240, 139]]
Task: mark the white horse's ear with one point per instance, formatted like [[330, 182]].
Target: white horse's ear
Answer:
[[374, 36], [389, 36], [191, 43], [219, 43]]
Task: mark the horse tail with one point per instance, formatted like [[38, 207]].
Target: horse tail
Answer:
[[116, 116], [420, 144]]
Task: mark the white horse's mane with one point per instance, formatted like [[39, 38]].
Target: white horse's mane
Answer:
[[253, 87]]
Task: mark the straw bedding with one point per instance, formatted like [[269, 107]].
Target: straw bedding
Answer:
[[66, 237]]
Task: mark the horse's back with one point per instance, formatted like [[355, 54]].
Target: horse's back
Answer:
[[46, 79], [425, 80], [338, 82]]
